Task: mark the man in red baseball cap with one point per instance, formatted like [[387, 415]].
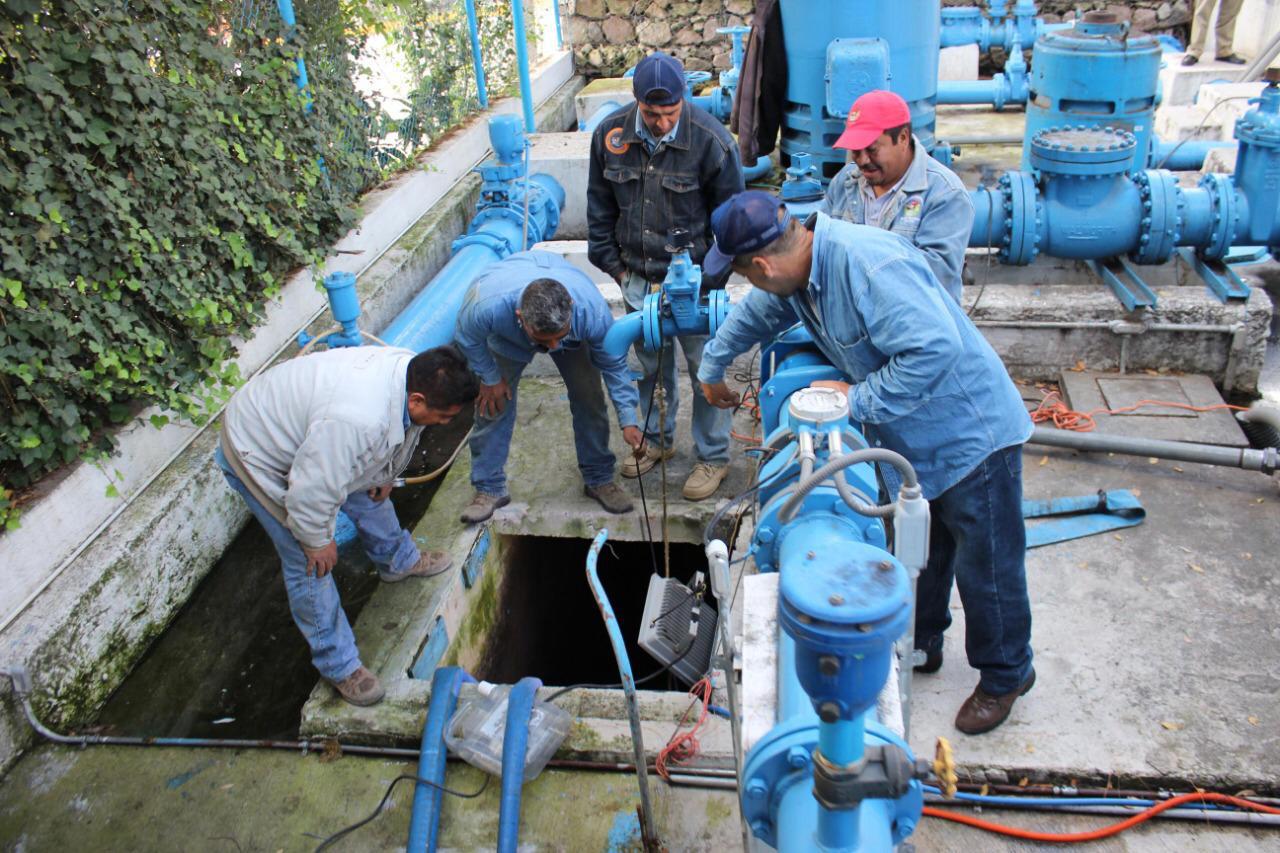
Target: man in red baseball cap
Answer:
[[894, 184]]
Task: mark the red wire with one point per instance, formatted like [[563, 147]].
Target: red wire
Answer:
[[683, 746], [1067, 418], [1104, 832]]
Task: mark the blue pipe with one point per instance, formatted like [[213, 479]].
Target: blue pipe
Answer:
[[477, 58], [555, 13], [425, 819], [969, 91], [1185, 156], [628, 683], [428, 320], [522, 62], [624, 332], [515, 740], [757, 170], [290, 22], [605, 110]]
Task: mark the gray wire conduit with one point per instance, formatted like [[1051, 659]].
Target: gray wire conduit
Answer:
[[872, 454], [1266, 460], [856, 500]]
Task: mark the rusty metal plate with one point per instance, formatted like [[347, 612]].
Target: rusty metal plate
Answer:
[[1086, 391]]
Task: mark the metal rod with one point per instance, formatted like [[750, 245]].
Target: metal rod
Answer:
[[1266, 460], [477, 58], [522, 63]]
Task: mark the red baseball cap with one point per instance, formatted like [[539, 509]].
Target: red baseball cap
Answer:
[[871, 115]]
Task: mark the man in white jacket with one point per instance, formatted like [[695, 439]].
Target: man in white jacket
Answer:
[[329, 432]]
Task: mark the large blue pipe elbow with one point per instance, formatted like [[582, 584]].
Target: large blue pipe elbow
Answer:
[[515, 740], [624, 332], [425, 820], [1185, 156], [757, 170], [605, 110]]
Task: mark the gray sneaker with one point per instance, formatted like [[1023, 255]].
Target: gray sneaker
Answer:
[[429, 564], [482, 506], [611, 497], [360, 688]]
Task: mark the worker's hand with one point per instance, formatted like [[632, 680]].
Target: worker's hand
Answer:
[[493, 399], [842, 387], [719, 395], [378, 494], [633, 437], [321, 561]]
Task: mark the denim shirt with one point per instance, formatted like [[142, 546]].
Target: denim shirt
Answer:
[[931, 208], [487, 324], [634, 198], [928, 384]]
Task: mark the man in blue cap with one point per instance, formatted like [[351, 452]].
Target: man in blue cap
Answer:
[[658, 164], [926, 384], [537, 302]]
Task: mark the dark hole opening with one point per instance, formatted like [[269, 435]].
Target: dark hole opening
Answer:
[[548, 624]]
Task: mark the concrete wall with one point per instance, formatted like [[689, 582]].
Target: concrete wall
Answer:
[[99, 610]]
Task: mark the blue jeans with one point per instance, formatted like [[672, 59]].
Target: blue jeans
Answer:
[[491, 441], [978, 538], [313, 601], [711, 425]]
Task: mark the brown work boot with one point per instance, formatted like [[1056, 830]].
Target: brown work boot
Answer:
[[982, 712], [703, 480], [633, 466], [430, 563], [482, 506], [611, 497], [360, 688]]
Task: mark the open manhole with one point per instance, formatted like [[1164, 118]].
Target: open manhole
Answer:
[[540, 618]]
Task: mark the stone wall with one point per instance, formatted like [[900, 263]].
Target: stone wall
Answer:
[[609, 36]]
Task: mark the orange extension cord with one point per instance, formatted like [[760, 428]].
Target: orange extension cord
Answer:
[[683, 746], [1104, 832], [750, 402], [1065, 418]]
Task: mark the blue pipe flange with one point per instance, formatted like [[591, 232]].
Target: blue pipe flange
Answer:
[[1022, 211], [1222, 196], [652, 324], [718, 306], [1082, 151], [500, 245], [825, 500], [1162, 206]]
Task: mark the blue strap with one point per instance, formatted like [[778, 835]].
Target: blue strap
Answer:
[[1087, 515]]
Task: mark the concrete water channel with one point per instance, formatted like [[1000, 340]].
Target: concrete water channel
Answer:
[[1156, 646]]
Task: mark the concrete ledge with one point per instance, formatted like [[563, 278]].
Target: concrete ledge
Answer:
[[85, 632]]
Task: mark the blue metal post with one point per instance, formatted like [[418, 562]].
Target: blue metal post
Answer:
[[515, 742], [425, 819], [555, 13], [477, 58], [286, 15], [522, 62], [647, 828]]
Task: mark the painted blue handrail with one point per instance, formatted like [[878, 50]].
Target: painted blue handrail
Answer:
[[628, 681], [515, 742], [424, 822]]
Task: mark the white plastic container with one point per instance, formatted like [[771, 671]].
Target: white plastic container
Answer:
[[476, 730]]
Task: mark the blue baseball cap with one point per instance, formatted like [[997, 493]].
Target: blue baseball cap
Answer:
[[746, 222], [659, 80]]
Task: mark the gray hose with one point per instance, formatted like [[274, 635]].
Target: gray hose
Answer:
[[873, 454], [1266, 460], [855, 499]]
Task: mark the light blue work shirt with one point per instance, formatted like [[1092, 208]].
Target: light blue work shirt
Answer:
[[928, 384], [487, 324], [929, 206]]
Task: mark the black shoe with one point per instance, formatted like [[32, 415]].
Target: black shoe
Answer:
[[932, 661], [1190, 59], [1232, 58]]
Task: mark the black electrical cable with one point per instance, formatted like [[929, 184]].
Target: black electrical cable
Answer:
[[650, 677], [688, 596], [343, 833], [644, 507]]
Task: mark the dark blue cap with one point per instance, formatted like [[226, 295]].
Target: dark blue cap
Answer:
[[746, 222], [659, 80]]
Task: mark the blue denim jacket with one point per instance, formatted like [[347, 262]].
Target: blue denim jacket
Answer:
[[932, 209], [928, 384], [487, 322], [634, 198]]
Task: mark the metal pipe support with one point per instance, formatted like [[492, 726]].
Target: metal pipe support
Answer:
[[1267, 460]]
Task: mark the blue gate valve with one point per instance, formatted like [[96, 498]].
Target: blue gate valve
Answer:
[[678, 308], [801, 192]]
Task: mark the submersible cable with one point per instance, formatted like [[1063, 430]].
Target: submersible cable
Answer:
[[874, 454]]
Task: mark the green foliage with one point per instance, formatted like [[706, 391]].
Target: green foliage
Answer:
[[159, 178]]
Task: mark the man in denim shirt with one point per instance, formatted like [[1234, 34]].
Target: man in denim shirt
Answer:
[[537, 302], [658, 164], [927, 385], [894, 184]]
